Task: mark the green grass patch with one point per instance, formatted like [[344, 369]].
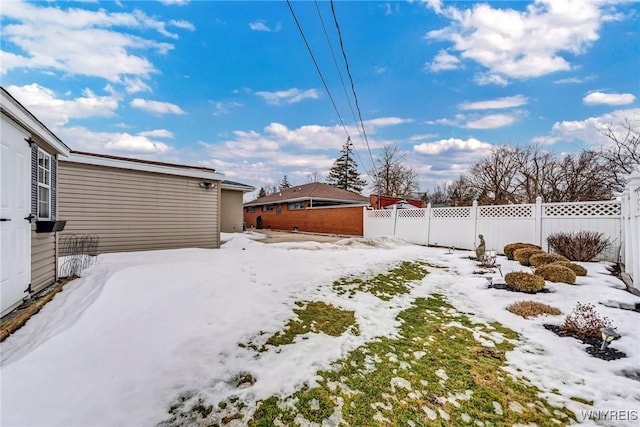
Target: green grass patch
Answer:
[[385, 286], [312, 317], [434, 373], [317, 317]]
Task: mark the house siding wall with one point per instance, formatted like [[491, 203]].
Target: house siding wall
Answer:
[[345, 220], [134, 210], [43, 245], [231, 211]]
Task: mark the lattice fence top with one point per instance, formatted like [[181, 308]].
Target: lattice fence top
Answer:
[[506, 211], [412, 213], [451, 212], [599, 209], [377, 214]]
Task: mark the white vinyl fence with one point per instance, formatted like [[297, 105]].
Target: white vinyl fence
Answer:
[[631, 228], [501, 224]]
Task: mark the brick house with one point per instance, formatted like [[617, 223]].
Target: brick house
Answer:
[[381, 202], [314, 207]]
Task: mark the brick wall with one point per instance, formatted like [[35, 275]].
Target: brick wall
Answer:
[[334, 220], [388, 200]]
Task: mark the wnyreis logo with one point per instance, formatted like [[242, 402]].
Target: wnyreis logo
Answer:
[[617, 415]]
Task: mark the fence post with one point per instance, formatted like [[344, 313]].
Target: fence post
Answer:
[[537, 217], [428, 219], [474, 219], [395, 218], [633, 233]]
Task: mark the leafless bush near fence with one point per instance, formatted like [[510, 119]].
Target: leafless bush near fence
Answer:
[[77, 252], [579, 246]]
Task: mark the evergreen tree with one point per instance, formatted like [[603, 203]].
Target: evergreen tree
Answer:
[[262, 192], [344, 172], [284, 184]]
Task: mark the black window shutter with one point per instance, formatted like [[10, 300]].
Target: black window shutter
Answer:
[[34, 180], [54, 185]]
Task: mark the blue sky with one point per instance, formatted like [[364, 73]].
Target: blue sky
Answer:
[[231, 85]]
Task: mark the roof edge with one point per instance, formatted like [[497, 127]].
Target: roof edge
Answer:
[[18, 112], [143, 165]]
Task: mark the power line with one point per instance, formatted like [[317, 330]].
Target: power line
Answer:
[[317, 67], [353, 89], [344, 88]]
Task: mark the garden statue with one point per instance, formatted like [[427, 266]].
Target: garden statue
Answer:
[[480, 249]]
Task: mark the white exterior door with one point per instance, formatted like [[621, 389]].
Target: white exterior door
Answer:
[[15, 205]]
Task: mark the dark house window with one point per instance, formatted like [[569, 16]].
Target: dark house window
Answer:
[[296, 205], [251, 209], [44, 185], [267, 208]]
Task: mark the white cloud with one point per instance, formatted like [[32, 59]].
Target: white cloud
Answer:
[[475, 121], [222, 108], [452, 144], [496, 104], [261, 25], [185, 25], [65, 40], [55, 112], [385, 121], [484, 79], [156, 107], [599, 98], [443, 61], [142, 145], [135, 144], [174, 2], [135, 85], [444, 160], [157, 133], [289, 96], [588, 131], [575, 80], [492, 121], [379, 69], [522, 44]]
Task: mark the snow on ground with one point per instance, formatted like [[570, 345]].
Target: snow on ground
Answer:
[[117, 346]]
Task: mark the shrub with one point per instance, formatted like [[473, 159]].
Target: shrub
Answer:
[[544, 258], [528, 309], [578, 269], [522, 255], [556, 273], [585, 322], [579, 246], [524, 282], [508, 249]]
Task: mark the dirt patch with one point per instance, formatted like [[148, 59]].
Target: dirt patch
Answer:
[[276, 236]]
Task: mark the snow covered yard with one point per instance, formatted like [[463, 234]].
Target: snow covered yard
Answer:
[[159, 337]]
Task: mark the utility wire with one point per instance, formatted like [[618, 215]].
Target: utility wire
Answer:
[[353, 89], [344, 88], [317, 68]]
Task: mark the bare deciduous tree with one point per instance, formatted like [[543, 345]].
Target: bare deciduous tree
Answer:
[[623, 154], [391, 177]]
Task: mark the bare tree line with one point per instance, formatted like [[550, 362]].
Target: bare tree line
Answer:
[[510, 175]]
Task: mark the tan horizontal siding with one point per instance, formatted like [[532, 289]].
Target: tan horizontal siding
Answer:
[[43, 259], [135, 210]]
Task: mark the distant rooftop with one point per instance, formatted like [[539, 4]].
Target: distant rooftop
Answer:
[[312, 191]]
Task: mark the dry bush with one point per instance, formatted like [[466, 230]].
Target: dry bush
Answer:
[[528, 309], [585, 322], [509, 248], [544, 258], [523, 281], [578, 269], [556, 273], [579, 246], [522, 255]]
